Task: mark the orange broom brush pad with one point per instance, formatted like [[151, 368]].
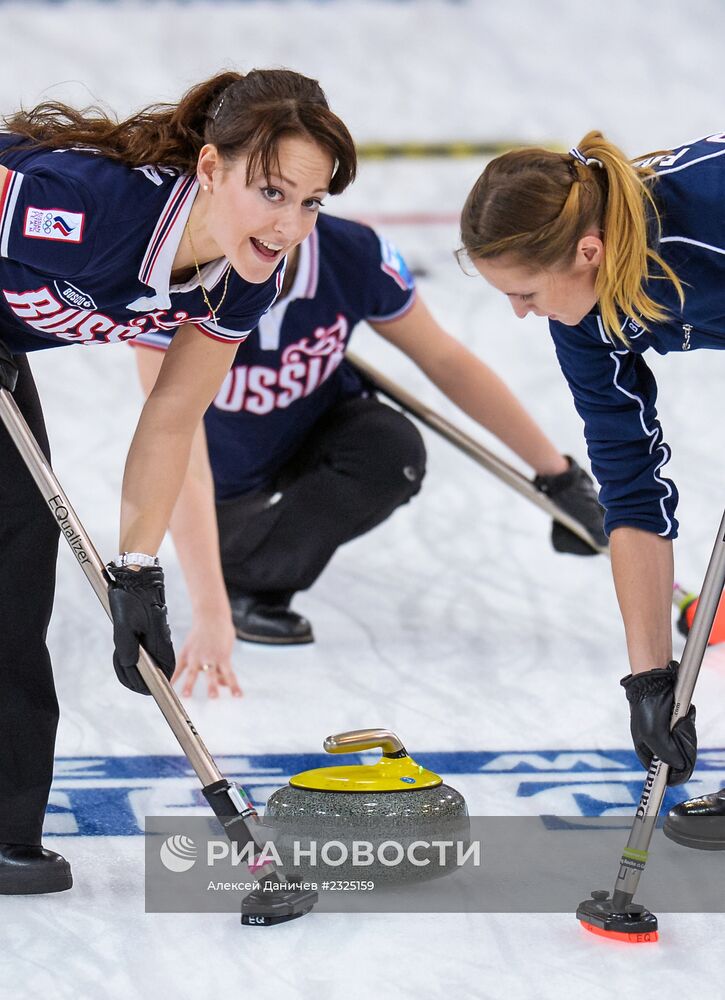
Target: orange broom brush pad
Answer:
[[647, 938]]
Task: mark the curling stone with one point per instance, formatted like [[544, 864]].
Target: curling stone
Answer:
[[386, 808]]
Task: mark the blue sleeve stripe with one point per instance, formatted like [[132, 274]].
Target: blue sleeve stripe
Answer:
[[684, 166], [159, 340], [694, 243], [7, 211], [652, 433], [397, 314]]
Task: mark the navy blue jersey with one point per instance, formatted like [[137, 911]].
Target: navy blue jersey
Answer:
[[86, 249], [613, 388], [291, 370]]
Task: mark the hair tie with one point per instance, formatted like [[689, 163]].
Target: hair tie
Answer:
[[586, 161]]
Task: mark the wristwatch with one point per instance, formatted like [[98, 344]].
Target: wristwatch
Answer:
[[135, 559]]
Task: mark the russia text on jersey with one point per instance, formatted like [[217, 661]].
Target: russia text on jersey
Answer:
[[44, 311]]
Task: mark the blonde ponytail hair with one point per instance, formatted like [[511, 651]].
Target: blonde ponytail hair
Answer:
[[536, 205]]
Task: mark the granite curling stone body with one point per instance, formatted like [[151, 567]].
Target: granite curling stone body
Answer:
[[394, 800]]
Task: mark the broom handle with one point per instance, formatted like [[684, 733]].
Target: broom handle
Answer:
[[634, 856], [490, 461], [92, 565], [469, 446]]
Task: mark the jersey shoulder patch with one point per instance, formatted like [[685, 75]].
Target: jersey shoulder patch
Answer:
[[393, 264], [53, 224]]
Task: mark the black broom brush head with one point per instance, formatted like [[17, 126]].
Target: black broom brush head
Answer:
[[635, 924]]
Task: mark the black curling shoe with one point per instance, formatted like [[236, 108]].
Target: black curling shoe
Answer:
[[267, 618], [30, 868], [698, 823]]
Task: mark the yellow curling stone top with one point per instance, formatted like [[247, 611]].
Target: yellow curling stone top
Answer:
[[394, 772]]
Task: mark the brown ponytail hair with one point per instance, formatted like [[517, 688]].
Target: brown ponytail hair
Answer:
[[240, 114], [536, 205]]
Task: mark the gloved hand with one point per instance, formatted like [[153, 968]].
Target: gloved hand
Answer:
[[8, 369], [138, 609], [574, 492], [651, 697]]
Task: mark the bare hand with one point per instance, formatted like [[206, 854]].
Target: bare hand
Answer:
[[208, 651]]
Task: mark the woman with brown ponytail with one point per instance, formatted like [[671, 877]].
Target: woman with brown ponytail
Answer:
[[176, 219], [620, 256]]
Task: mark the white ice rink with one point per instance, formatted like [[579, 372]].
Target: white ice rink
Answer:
[[454, 624]]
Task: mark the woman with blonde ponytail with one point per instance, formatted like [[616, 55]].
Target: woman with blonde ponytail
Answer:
[[620, 256], [177, 219]]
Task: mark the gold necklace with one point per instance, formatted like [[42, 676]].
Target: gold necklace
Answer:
[[213, 310]]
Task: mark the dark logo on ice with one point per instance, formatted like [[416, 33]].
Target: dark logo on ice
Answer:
[[60, 511], [74, 296]]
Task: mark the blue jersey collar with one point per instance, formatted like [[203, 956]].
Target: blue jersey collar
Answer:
[[303, 287], [155, 270]]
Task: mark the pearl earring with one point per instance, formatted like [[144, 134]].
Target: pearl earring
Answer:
[[206, 187]]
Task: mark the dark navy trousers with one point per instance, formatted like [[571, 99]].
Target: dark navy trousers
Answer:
[[28, 704], [360, 462]]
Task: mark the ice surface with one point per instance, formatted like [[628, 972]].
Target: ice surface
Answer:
[[454, 624]]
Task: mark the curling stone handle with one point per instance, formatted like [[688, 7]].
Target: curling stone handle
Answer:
[[365, 739]]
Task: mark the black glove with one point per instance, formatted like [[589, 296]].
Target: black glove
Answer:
[[651, 697], [138, 609], [8, 369], [574, 492]]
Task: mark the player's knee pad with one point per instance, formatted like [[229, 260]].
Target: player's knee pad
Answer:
[[396, 455]]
